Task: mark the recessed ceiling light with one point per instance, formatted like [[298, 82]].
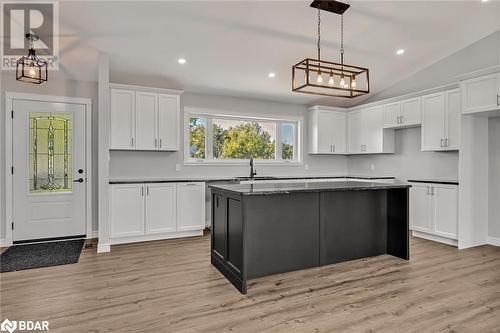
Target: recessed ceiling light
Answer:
[[484, 0], [271, 75], [181, 61], [400, 51]]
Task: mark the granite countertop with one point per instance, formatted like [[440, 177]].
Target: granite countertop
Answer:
[[231, 179], [434, 181], [286, 188]]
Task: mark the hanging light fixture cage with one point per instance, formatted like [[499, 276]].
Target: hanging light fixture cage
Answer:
[[321, 77], [305, 79], [30, 68]]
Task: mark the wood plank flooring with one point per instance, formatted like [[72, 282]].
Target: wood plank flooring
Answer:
[[170, 286]]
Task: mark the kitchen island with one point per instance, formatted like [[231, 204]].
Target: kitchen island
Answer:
[[271, 228]]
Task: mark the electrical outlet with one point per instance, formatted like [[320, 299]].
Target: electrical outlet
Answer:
[[177, 167], [306, 166], [372, 166]]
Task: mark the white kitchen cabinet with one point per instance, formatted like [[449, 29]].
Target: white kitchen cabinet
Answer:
[[441, 121], [446, 211], [327, 132], [392, 114], [127, 210], [122, 129], [481, 94], [411, 112], [421, 208], [168, 122], [161, 208], [355, 131], [190, 206], [143, 212], [366, 134], [434, 211], [403, 114], [144, 120]]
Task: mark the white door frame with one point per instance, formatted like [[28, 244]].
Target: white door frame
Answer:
[[9, 178]]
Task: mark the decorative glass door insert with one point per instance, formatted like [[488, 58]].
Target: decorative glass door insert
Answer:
[[50, 152]]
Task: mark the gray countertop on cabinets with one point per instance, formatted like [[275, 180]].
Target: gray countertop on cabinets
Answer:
[[286, 188], [232, 179], [434, 181]]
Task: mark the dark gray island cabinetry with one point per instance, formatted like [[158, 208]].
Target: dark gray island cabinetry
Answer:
[[265, 229]]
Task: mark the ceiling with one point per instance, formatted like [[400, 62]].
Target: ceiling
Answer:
[[231, 46]]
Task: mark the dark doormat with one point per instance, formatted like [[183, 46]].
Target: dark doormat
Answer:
[[19, 257]]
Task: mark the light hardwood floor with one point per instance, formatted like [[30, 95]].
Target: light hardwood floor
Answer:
[[170, 286]]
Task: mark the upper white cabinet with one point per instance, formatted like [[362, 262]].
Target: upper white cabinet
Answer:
[[327, 132], [434, 210], [366, 134], [402, 114], [122, 119], [481, 94], [441, 121], [144, 120]]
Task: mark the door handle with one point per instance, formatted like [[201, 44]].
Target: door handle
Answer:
[[79, 180]]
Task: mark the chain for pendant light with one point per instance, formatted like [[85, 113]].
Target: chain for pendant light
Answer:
[[319, 33], [342, 39]]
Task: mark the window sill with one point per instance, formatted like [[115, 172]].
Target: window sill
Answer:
[[241, 163]]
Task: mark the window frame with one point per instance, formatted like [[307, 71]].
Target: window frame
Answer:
[[210, 115]]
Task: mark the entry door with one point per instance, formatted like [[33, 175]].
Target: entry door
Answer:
[[49, 170]]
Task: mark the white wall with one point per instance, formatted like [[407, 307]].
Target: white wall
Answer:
[[494, 177], [407, 161], [125, 164], [51, 87], [482, 54]]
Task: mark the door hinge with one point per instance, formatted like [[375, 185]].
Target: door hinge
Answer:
[[12, 114], [12, 225]]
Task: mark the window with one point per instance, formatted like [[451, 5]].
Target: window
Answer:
[[223, 138]]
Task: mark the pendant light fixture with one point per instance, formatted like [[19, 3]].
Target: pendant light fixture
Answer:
[[343, 80], [31, 69]]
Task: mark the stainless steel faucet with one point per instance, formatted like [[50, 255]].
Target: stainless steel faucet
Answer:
[[253, 172]]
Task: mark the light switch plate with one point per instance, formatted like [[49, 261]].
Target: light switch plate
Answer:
[[372, 166], [306, 166], [177, 167]]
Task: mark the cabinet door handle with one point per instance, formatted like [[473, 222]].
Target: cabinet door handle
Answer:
[[428, 190], [132, 142], [498, 99], [401, 119], [333, 148], [156, 143], [142, 191], [446, 142], [160, 143], [442, 143], [147, 190]]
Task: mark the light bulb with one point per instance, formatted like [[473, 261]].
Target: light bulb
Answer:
[[330, 80], [32, 72], [342, 81], [353, 83], [320, 78]]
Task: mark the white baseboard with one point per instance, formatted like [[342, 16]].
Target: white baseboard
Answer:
[[435, 238], [4, 243], [494, 241], [103, 248]]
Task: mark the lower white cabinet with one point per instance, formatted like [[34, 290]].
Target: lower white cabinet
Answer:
[[434, 211], [142, 212], [127, 210], [189, 217], [161, 208]]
